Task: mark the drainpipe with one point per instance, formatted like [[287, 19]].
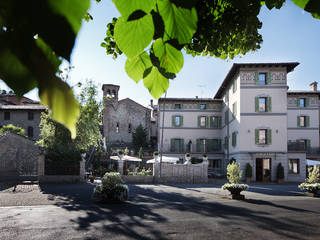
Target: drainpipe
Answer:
[[161, 145], [228, 104]]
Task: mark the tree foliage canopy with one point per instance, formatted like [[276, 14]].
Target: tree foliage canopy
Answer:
[[35, 36], [139, 137], [12, 128]]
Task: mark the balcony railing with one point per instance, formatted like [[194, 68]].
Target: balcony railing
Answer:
[[301, 147], [167, 148]]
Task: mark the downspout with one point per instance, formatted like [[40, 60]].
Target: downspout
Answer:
[[161, 145]]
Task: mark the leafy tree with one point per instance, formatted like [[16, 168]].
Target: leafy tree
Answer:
[[139, 137], [248, 170], [280, 171], [32, 46], [12, 128]]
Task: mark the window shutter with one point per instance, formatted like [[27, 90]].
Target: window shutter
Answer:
[[298, 121], [172, 144], [219, 145], [173, 121], [199, 121], [307, 102], [298, 102], [207, 122], [209, 143], [172, 106], [268, 77], [257, 136], [181, 106], [308, 144], [269, 104], [181, 145], [198, 105], [269, 136], [211, 121], [198, 145], [234, 139], [256, 104], [307, 121], [256, 77]]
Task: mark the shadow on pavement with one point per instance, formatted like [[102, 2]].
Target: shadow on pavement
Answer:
[[146, 209]]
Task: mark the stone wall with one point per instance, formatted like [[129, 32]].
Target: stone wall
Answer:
[[18, 156]]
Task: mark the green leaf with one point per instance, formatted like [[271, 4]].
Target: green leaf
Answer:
[[170, 58], [311, 6], [58, 96], [156, 83], [126, 7], [180, 23], [47, 51], [136, 66], [132, 37], [73, 11]]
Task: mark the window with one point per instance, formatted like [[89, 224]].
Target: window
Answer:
[[214, 163], [234, 86], [203, 106], [234, 110], [302, 102], [215, 122], [262, 104], [302, 120], [177, 145], [177, 121], [30, 132], [216, 145], [129, 128], [262, 79], [305, 143], [262, 136], [202, 145], [226, 117], [294, 166], [202, 121], [234, 139], [177, 106], [30, 116], [6, 115], [117, 128]]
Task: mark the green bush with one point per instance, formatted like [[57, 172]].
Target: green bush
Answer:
[[280, 171], [12, 128], [313, 174], [248, 171], [234, 173], [111, 180]]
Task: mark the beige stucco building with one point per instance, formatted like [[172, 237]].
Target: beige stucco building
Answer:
[[253, 118]]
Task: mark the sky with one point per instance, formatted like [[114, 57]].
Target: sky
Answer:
[[289, 35]]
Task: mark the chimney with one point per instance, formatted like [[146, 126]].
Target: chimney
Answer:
[[196, 97], [151, 103], [314, 86]]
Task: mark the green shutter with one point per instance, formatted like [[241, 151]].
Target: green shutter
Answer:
[[257, 104], [268, 77], [269, 136], [298, 102], [198, 105], [172, 145], [234, 139], [256, 77], [173, 121], [172, 106], [298, 121], [199, 121], [209, 146], [307, 121], [257, 136], [307, 102], [198, 145], [219, 145], [207, 122], [181, 145], [181, 106], [219, 122], [269, 104], [211, 121]]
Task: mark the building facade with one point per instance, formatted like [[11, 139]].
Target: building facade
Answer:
[[24, 113], [253, 118], [122, 117]]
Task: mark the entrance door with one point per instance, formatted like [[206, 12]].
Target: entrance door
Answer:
[[263, 169]]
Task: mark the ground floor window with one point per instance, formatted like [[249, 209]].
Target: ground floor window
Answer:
[[294, 166], [214, 163]]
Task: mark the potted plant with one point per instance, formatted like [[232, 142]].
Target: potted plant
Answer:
[[120, 154], [312, 184], [187, 156], [155, 156], [234, 187], [126, 151], [205, 158], [248, 172], [280, 173], [266, 175]]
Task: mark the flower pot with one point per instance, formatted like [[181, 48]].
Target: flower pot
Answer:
[[188, 158]]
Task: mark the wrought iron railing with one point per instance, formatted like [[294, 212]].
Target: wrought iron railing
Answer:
[[301, 147]]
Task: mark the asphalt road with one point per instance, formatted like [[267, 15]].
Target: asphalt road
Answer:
[[166, 212]]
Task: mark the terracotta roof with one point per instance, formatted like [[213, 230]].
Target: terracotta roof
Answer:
[[10, 101], [188, 100], [130, 100], [236, 66], [23, 107], [296, 92]]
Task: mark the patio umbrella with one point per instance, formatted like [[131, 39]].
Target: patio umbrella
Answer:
[[165, 159], [126, 157]]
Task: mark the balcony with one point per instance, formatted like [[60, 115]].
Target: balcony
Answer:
[[312, 152], [167, 148]]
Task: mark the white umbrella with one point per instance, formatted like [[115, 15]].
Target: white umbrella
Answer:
[[126, 157], [165, 159], [311, 163]]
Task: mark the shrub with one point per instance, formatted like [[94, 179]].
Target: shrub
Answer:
[[204, 155], [313, 174], [280, 171], [235, 188], [142, 172], [188, 155], [248, 171], [110, 180], [12, 128], [310, 187], [156, 153], [120, 152], [234, 173]]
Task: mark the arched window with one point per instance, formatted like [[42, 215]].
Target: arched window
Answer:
[[117, 127], [129, 128]]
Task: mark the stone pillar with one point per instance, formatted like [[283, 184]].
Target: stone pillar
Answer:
[[41, 163], [156, 171], [82, 171], [120, 167]]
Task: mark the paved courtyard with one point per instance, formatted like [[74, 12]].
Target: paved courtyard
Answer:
[[158, 212]]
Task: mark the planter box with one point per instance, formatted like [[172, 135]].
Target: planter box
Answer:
[[137, 179], [237, 196]]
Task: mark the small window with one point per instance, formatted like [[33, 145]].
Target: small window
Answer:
[[294, 166], [302, 102], [234, 110], [234, 139], [203, 106], [177, 121], [234, 86], [215, 122], [262, 136], [262, 78], [117, 128], [129, 128], [30, 116], [216, 163], [262, 104], [203, 121], [30, 132], [202, 145], [6, 115], [177, 106], [302, 122]]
